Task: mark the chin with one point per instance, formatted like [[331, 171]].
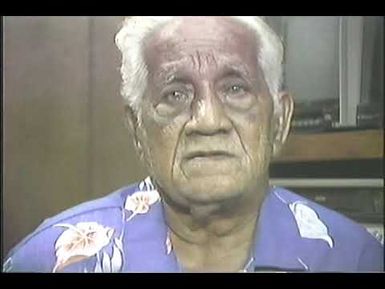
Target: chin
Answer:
[[211, 188]]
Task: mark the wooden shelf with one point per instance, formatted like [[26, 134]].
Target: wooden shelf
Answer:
[[349, 145]]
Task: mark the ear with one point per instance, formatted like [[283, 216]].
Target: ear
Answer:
[[132, 124], [283, 120]]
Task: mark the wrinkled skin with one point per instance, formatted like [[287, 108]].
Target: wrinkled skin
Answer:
[[207, 116], [207, 132]]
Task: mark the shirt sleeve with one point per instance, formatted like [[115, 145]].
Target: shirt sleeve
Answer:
[[34, 254], [372, 256]]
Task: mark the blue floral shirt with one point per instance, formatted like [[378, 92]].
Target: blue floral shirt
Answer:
[[126, 232]]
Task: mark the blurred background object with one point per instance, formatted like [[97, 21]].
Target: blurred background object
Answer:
[[334, 66]]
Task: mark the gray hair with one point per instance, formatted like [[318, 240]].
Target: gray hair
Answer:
[[134, 72]]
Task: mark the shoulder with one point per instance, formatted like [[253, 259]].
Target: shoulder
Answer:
[[347, 241], [101, 217], [299, 204]]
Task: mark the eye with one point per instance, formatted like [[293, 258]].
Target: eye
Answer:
[[238, 96], [173, 102], [175, 97], [236, 88]]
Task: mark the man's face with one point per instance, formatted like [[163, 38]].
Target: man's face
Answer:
[[207, 112]]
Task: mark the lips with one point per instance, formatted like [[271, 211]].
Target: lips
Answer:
[[212, 154]]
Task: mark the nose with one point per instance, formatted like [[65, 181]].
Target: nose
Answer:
[[208, 116]]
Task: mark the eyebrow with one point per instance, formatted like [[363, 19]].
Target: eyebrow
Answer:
[[176, 77], [234, 71], [172, 75]]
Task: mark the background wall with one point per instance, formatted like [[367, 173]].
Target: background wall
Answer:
[[63, 130]]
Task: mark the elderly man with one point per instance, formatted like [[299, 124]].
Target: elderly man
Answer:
[[204, 107]]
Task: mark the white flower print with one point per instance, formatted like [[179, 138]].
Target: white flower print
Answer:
[[168, 244], [246, 268], [79, 242], [309, 224], [140, 201], [377, 233], [303, 263], [7, 266], [146, 185], [280, 198], [107, 264], [98, 265], [117, 256]]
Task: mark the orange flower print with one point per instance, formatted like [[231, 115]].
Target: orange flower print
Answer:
[[140, 202], [79, 242]]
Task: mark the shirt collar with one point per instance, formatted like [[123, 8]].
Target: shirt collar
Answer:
[[276, 242]]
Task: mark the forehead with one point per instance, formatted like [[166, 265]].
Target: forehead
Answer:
[[218, 39]]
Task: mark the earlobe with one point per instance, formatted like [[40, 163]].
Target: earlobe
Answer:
[[283, 121]]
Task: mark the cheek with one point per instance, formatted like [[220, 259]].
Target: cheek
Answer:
[[254, 130], [260, 145], [161, 141]]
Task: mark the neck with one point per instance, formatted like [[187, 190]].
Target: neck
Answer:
[[214, 237]]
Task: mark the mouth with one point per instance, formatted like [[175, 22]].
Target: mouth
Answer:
[[209, 155]]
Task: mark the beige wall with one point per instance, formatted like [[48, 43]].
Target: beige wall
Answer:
[[63, 130]]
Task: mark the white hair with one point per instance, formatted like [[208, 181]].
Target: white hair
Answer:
[[134, 72]]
